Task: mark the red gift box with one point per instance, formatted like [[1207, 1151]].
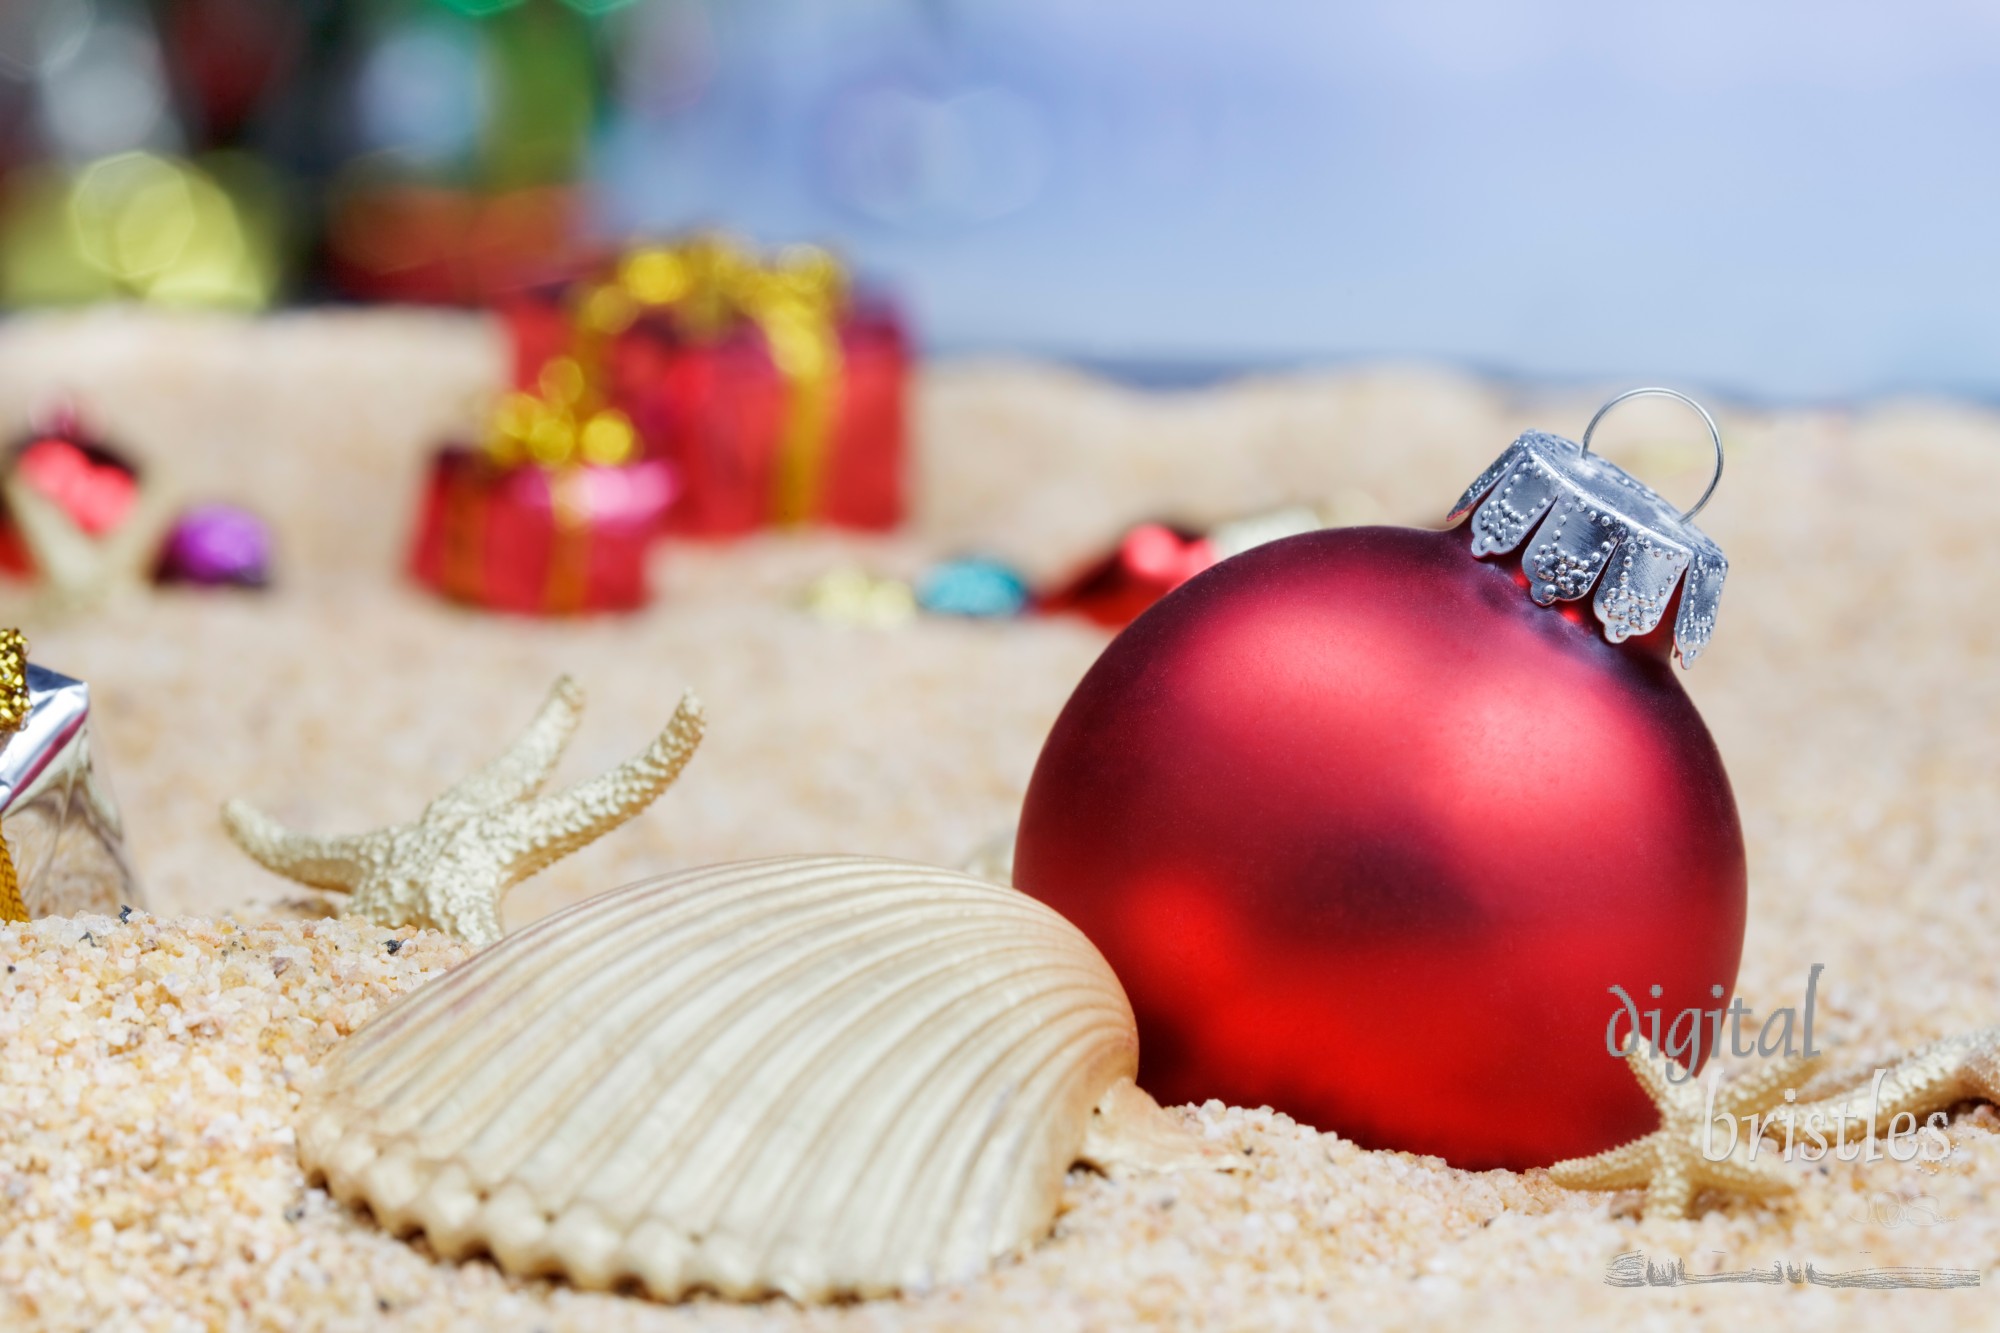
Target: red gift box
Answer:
[[718, 408], [540, 540], [777, 399]]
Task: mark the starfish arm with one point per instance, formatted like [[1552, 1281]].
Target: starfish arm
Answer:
[[519, 773], [477, 922], [1762, 1178], [460, 904], [1929, 1079], [1829, 1112], [1650, 1068], [1625, 1167], [1918, 1091], [532, 837], [1767, 1087], [1671, 1190], [1980, 1069], [322, 863]]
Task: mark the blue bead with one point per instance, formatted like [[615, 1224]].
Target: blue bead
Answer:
[[972, 586]]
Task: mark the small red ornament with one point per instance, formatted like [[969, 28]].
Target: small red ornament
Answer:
[[1152, 560], [1367, 833]]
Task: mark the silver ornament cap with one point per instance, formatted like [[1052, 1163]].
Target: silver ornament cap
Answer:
[[1595, 525]]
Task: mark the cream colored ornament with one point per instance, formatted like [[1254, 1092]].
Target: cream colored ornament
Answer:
[[818, 1076]]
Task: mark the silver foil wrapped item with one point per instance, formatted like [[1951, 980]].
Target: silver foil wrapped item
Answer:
[[63, 834]]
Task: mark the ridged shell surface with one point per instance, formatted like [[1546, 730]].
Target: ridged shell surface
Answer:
[[818, 1076]]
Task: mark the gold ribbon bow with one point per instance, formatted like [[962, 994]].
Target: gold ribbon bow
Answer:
[[14, 705], [560, 426]]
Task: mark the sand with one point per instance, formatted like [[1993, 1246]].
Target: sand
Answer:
[[148, 1074]]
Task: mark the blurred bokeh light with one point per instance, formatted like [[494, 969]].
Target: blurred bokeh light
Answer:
[[1783, 198]]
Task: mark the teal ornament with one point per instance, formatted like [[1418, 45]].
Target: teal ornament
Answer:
[[972, 586]]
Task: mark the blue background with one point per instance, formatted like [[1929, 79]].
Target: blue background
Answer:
[[1786, 199]]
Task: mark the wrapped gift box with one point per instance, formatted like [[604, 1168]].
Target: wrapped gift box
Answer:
[[777, 398], [65, 841], [720, 409], [540, 540]]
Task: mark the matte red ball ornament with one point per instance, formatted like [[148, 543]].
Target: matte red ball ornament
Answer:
[[1369, 820]]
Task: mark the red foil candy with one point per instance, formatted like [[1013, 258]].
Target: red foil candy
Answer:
[[1152, 560], [1367, 835], [540, 541]]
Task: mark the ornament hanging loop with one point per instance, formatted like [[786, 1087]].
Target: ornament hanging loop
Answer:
[[1653, 391]]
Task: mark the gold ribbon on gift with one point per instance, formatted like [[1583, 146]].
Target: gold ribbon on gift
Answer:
[[796, 305], [710, 282], [561, 425], [558, 428], [14, 706]]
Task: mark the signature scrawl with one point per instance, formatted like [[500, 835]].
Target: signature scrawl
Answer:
[[1633, 1269]]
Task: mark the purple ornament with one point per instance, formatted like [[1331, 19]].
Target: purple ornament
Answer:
[[218, 544]]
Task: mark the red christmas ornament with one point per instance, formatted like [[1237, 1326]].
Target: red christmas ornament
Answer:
[[1152, 560], [1367, 832]]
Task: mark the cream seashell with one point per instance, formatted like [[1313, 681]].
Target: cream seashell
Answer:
[[818, 1076]]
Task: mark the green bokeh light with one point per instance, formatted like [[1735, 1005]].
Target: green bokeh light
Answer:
[[479, 9]]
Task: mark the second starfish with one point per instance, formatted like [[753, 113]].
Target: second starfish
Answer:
[[1671, 1164]]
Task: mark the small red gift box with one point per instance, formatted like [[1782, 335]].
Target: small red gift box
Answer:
[[776, 398], [540, 540]]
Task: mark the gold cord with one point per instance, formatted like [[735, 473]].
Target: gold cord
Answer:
[[11, 906], [14, 705]]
